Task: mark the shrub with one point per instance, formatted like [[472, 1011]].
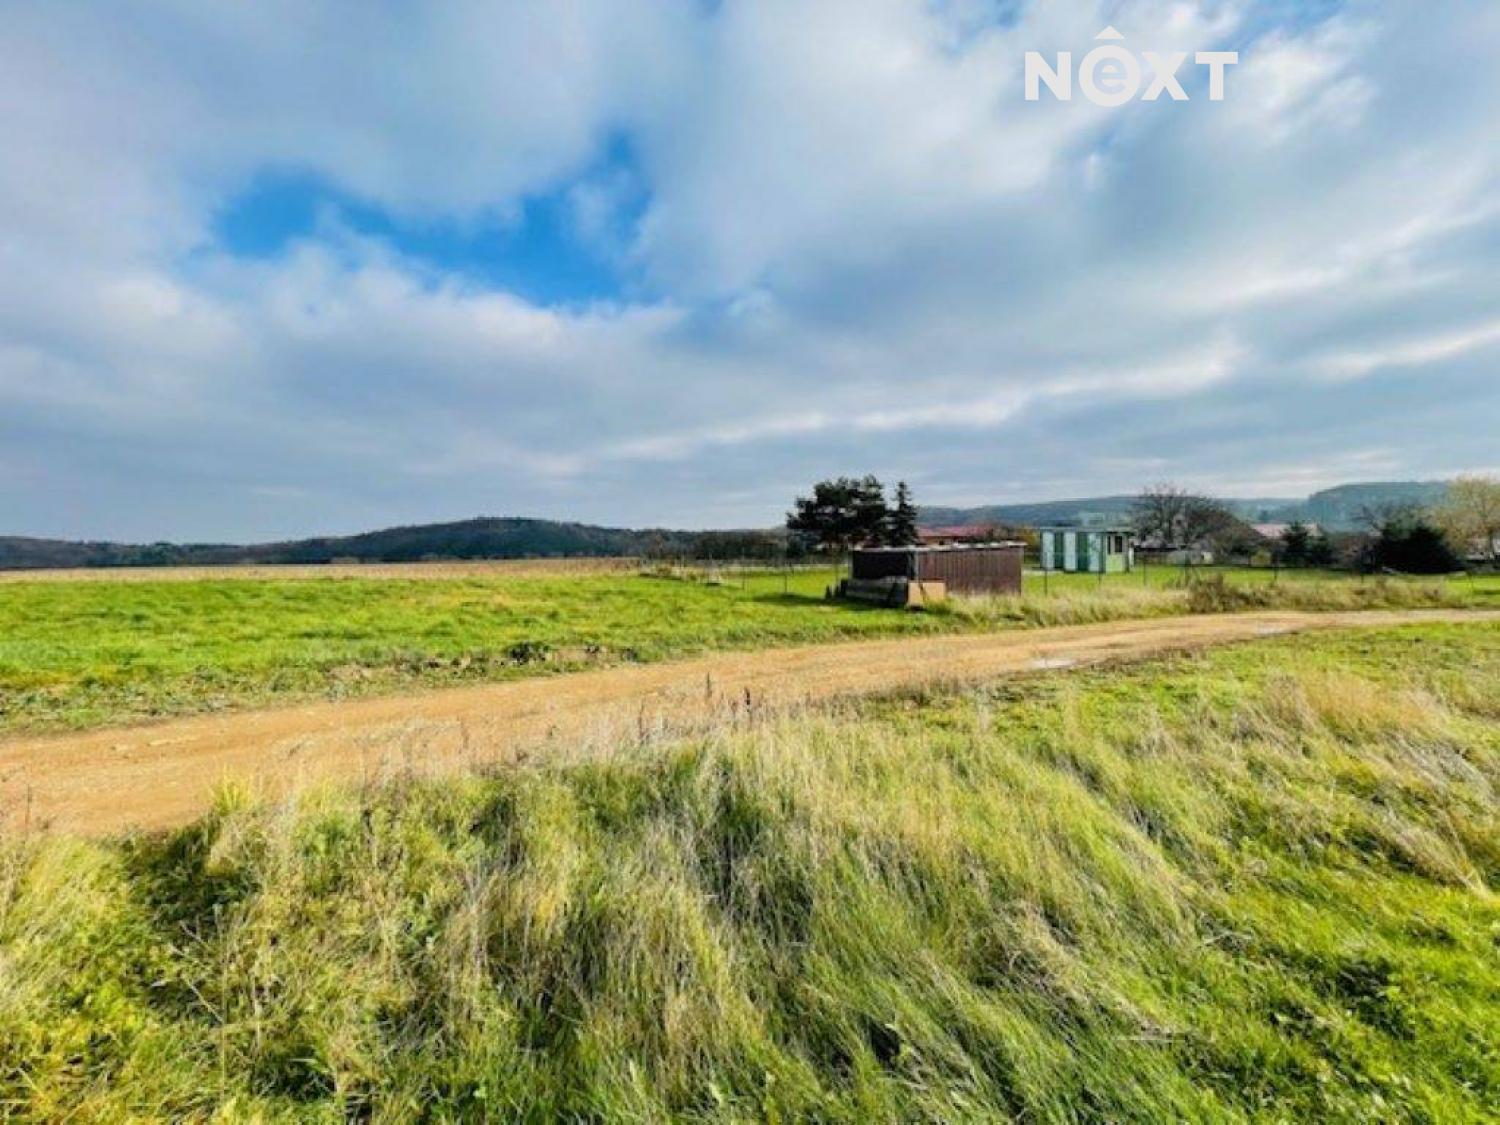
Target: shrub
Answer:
[[529, 652]]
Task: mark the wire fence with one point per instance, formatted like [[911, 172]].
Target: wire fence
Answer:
[[817, 575]]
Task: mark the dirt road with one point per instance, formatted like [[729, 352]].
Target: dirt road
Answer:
[[160, 775]]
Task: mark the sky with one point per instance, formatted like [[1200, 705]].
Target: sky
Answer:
[[296, 267]]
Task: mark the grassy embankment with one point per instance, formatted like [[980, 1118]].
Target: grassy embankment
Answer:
[[1252, 884], [78, 654]]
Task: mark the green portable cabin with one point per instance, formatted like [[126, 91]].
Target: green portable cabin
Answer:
[[1088, 550]]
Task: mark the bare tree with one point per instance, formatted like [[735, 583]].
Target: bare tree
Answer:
[[1158, 513], [1175, 517], [1470, 516]]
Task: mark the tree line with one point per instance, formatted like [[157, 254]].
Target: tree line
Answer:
[[848, 512], [1407, 538]]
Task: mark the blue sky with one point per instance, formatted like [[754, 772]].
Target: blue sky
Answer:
[[537, 245], [269, 271]]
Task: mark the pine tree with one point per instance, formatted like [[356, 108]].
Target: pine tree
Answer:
[[1296, 541], [1320, 550], [870, 511], [901, 523], [841, 513]]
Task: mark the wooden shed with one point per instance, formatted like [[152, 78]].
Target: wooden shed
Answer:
[[914, 575]]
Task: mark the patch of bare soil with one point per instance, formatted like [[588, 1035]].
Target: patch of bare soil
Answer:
[[161, 775]]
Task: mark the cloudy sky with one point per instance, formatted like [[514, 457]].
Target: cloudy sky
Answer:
[[288, 267]]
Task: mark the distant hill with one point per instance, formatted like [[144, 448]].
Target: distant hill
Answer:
[[1336, 509], [485, 538], [1090, 510], [1044, 512], [1341, 508]]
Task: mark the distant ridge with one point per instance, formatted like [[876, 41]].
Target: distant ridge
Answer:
[[514, 537], [483, 538], [1341, 508], [1042, 512], [1335, 509]]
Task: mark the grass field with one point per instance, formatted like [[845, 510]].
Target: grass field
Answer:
[[1170, 577], [1253, 884], [83, 653]]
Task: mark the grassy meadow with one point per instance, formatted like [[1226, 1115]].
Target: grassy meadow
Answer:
[[85, 653], [1254, 884]]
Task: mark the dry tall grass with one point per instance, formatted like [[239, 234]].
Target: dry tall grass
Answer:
[[1118, 602]]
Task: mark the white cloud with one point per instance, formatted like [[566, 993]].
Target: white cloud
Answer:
[[860, 249], [1420, 352]]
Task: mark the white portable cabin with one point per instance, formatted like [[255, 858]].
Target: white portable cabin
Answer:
[[1084, 550]]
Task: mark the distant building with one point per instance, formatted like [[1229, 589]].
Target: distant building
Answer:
[[1479, 552], [960, 533], [1176, 556], [1276, 532], [1109, 550], [1095, 521]]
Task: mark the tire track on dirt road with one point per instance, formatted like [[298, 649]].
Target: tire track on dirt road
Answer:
[[163, 774]]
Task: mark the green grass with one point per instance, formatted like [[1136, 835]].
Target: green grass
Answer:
[[1481, 587], [78, 654], [1256, 884]]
